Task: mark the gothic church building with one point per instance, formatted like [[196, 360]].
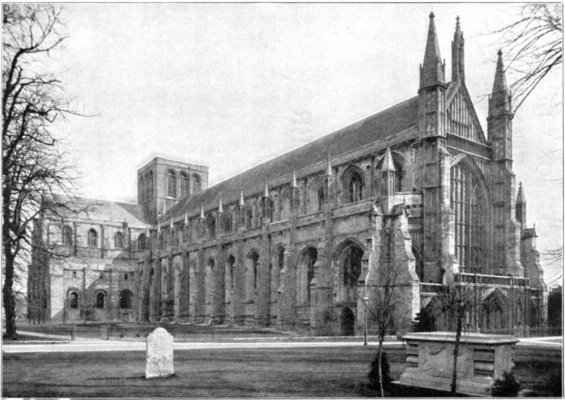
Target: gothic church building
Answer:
[[418, 192]]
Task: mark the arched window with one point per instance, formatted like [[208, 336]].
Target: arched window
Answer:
[[306, 271], [100, 298], [171, 183], [142, 189], [211, 226], [67, 233], [92, 238], [196, 183], [352, 266], [231, 269], [227, 222], [149, 185], [469, 204], [251, 274], [352, 184], [349, 261], [248, 218], [183, 184], [125, 298], [118, 240], [141, 242], [321, 198], [210, 282], [73, 300], [355, 188]]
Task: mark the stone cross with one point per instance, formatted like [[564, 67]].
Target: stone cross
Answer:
[[159, 354]]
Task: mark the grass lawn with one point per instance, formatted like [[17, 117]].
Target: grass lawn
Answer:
[[294, 372], [306, 372]]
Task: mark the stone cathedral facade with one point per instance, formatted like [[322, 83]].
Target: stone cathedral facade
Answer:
[[419, 192]]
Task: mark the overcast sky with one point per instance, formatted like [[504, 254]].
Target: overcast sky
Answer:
[[231, 85]]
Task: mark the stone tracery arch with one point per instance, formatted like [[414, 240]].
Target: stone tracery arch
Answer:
[[348, 257], [306, 261], [353, 184]]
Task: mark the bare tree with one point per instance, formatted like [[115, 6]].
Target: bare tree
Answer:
[[533, 47], [457, 301], [382, 308], [34, 170]]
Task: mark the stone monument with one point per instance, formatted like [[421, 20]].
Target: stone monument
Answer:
[[481, 359], [159, 354]]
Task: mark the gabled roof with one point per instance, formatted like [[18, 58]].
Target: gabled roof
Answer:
[[98, 210], [383, 124], [459, 86]]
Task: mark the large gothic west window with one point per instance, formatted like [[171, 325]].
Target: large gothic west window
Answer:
[[469, 204]]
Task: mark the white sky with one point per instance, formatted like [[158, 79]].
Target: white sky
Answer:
[[231, 85]]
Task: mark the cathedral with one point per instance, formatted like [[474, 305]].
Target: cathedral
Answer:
[[414, 198]]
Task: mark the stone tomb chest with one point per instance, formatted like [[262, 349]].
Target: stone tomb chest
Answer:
[[481, 359]]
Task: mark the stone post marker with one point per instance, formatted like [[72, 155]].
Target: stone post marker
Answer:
[[159, 354]]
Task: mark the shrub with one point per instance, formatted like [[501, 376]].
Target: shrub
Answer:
[[424, 321], [507, 386], [555, 384], [374, 373]]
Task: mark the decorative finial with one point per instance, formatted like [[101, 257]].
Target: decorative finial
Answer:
[[185, 219], [294, 185], [220, 206], [499, 52], [457, 25], [329, 170], [266, 194], [432, 15], [388, 164], [241, 200], [171, 225], [201, 211]]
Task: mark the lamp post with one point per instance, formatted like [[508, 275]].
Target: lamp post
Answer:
[[365, 299]]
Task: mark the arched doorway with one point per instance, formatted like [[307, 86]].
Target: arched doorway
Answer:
[[347, 322]]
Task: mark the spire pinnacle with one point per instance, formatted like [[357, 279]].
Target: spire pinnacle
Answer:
[[329, 169], [241, 201], [220, 206], [201, 211], [266, 193], [388, 164], [185, 219], [458, 53], [293, 183], [520, 198], [500, 98], [432, 71]]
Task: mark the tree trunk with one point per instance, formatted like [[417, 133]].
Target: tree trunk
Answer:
[[456, 351], [380, 358], [8, 294]]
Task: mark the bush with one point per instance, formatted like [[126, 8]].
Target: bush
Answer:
[[555, 384], [507, 386], [374, 373], [424, 321]]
